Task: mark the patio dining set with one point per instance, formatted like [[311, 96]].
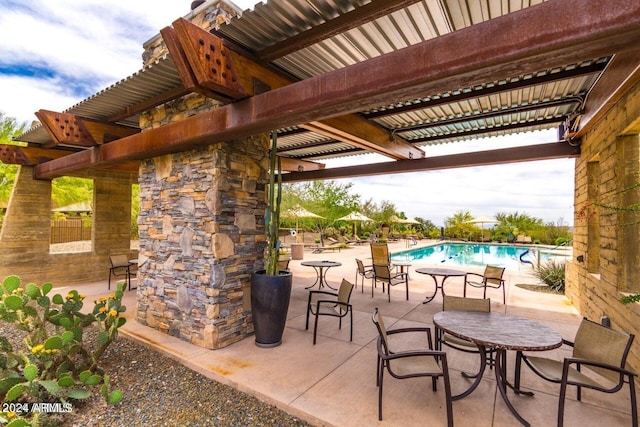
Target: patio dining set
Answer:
[[597, 361]]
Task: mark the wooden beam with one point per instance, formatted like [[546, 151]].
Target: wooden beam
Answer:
[[531, 39], [529, 153], [75, 131]]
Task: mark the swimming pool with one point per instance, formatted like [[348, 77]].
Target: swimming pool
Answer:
[[511, 257]]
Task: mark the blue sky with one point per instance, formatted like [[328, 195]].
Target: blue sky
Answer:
[[55, 53]]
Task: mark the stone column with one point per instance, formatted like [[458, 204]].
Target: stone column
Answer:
[[201, 236]]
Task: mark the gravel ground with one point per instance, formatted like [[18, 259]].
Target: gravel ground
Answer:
[[159, 391]]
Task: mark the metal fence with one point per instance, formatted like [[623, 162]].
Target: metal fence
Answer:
[[69, 230]]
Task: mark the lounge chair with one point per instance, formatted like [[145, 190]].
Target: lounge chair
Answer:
[[357, 240], [333, 246], [321, 249]]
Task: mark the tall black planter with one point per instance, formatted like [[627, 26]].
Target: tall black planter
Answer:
[[269, 306]]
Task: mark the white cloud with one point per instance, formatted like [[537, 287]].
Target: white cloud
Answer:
[[542, 189]]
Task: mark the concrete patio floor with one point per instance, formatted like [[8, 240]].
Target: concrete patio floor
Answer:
[[333, 383]]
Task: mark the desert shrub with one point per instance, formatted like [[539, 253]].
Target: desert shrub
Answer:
[[551, 273], [56, 365]]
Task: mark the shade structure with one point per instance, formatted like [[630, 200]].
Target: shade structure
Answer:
[[482, 220], [298, 212], [354, 216]]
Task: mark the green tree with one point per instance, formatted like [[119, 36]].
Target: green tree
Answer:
[[67, 190], [458, 225], [425, 226], [9, 128], [328, 199], [512, 224]]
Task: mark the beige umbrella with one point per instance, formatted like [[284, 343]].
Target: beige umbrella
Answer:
[[354, 216], [398, 220], [482, 220], [298, 212]]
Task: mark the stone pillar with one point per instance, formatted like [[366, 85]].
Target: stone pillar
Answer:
[[201, 236]]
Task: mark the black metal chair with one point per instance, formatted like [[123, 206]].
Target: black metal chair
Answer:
[[338, 306], [364, 271], [491, 278], [424, 362], [383, 273], [602, 351], [120, 267], [452, 303]]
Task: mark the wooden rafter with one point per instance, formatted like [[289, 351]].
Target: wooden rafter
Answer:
[[71, 130], [437, 66]]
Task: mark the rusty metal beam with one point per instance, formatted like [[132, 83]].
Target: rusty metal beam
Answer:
[[361, 133], [529, 153], [357, 17], [531, 39], [206, 65], [297, 165], [31, 156], [621, 74], [74, 131]]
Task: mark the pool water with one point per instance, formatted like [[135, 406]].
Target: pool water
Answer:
[[511, 257]]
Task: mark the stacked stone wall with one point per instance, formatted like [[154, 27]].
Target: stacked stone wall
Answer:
[[201, 230]]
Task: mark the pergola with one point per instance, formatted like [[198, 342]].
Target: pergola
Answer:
[[333, 79], [336, 79]]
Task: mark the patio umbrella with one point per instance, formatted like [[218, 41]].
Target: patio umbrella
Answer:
[[398, 220], [298, 212], [354, 216], [482, 220]]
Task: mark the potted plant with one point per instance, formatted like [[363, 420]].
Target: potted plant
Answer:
[[271, 288]]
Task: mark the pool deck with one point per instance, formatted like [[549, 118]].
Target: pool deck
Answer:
[[333, 382]]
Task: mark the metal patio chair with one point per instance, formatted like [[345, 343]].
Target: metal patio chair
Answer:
[[120, 267], [452, 303], [598, 362], [335, 304], [424, 362], [491, 278], [364, 271]]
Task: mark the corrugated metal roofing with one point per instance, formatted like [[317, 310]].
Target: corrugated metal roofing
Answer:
[[434, 119]]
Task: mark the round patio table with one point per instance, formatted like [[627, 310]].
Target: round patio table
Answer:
[[501, 332], [445, 273], [321, 268]]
